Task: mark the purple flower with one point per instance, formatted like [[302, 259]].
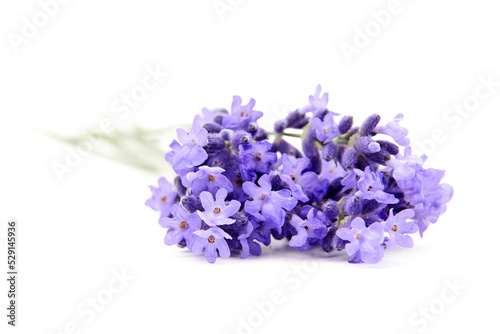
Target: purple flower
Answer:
[[308, 230], [267, 205], [364, 241], [317, 104], [256, 158], [331, 170], [235, 190], [217, 212], [212, 241], [398, 227], [405, 166], [248, 246], [209, 179], [350, 180], [327, 129], [396, 131], [180, 226], [304, 186], [163, 197], [370, 186], [428, 196], [192, 153], [291, 174], [241, 116], [208, 116], [180, 167]]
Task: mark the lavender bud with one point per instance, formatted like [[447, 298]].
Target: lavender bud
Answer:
[[252, 128], [367, 145], [286, 148], [352, 206], [296, 120], [308, 148], [275, 180], [178, 184], [280, 126], [326, 243], [215, 143], [345, 124], [380, 157], [370, 206], [260, 135], [218, 119], [330, 209], [191, 204], [369, 125], [213, 127], [226, 134], [349, 158], [389, 147], [329, 151]]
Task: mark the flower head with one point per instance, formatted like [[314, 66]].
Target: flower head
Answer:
[[241, 115], [309, 230], [267, 205], [217, 212], [398, 228], [327, 129], [396, 131], [370, 186], [213, 241], [163, 197], [209, 179], [365, 241], [180, 226]]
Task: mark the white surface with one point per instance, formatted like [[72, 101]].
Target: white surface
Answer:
[[74, 233]]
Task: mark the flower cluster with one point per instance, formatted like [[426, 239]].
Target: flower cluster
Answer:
[[357, 188]]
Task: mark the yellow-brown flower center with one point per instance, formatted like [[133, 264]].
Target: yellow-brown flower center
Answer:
[[211, 177], [183, 224], [395, 228], [164, 199], [211, 239], [217, 210], [357, 235]]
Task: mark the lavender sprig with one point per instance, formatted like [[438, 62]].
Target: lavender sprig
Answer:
[[347, 188]]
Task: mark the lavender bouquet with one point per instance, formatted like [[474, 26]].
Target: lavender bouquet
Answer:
[[357, 188]]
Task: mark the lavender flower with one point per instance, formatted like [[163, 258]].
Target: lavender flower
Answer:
[[213, 241], [396, 131], [257, 158], [239, 186], [268, 205], [398, 228], [241, 116], [209, 179], [217, 212], [181, 226], [325, 130], [365, 241], [308, 230], [163, 197], [192, 152], [371, 186]]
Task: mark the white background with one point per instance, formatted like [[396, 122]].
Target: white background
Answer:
[[74, 233]]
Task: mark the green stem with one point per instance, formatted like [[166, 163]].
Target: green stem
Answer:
[[296, 135]]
